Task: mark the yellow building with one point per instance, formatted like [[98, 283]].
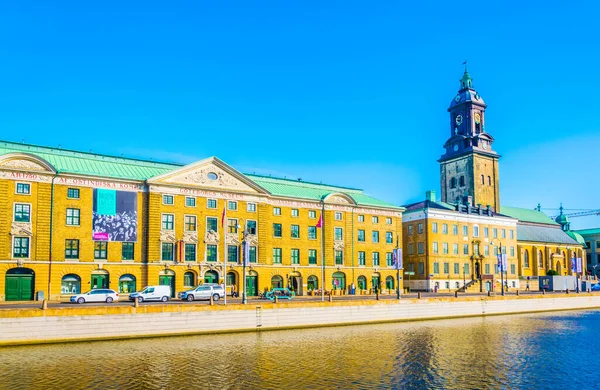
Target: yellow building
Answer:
[[74, 221]]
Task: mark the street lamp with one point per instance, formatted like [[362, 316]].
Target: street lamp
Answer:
[[501, 265], [245, 253], [464, 278]]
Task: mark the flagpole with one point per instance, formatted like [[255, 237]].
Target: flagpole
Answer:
[[224, 251], [397, 270], [322, 252]]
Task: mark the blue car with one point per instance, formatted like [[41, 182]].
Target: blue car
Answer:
[[596, 287]]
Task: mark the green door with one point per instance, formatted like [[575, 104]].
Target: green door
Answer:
[[167, 280], [19, 287], [99, 281], [251, 286], [211, 277]]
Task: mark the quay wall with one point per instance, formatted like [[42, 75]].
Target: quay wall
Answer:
[[77, 323]]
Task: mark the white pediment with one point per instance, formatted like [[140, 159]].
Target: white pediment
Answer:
[[211, 173], [25, 162]]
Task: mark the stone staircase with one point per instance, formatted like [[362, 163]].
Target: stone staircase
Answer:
[[471, 287]]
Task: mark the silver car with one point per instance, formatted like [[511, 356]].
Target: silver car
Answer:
[[204, 291], [96, 295]]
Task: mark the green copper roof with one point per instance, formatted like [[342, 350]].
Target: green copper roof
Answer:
[[526, 215], [588, 232], [576, 236], [69, 161], [313, 191]]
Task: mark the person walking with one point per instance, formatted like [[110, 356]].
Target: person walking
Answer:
[[527, 287], [233, 293]]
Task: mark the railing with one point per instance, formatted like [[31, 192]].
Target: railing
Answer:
[[466, 286]]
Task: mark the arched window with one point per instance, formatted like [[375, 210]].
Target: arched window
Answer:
[[526, 259], [461, 181], [389, 283], [489, 180], [338, 281], [362, 283], [483, 179], [127, 284], [189, 279], [313, 283], [540, 259], [211, 277], [276, 281], [71, 284], [231, 278]]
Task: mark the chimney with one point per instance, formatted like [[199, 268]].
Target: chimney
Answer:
[[430, 195], [479, 209], [489, 210]]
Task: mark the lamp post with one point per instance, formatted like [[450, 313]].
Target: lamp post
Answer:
[[464, 279], [501, 265], [245, 253]]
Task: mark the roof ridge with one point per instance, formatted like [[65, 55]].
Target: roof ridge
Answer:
[[302, 182]]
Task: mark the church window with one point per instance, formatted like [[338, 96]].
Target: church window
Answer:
[[482, 179], [526, 259], [461, 181], [489, 180]]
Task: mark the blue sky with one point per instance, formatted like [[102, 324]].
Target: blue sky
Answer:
[[348, 93]]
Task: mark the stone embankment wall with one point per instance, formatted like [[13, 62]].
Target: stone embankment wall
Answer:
[[32, 326]]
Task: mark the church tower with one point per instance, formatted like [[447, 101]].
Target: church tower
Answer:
[[469, 166]]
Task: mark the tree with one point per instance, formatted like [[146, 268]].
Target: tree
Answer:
[[551, 273]]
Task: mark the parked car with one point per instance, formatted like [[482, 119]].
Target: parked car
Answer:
[[96, 295], [152, 293], [204, 291], [595, 287], [280, 293]]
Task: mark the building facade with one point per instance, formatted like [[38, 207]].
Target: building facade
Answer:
[[74, 221], [591, 237]]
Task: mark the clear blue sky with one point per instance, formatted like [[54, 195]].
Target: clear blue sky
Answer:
[[348, 93]]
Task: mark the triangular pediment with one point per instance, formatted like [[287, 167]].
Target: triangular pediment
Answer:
[[25, 162], [210, 173]]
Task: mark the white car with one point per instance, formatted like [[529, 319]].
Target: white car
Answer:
[[204, 291], [96, 295]]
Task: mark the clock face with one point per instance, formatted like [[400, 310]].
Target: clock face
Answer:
[[477, 118], [457, 98], [455, 148], [459, 119], [484, 145]]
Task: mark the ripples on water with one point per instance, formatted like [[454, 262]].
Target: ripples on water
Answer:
[[537, 351]]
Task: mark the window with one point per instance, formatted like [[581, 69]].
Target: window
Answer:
[[338, 234], [251, 207], [23, 188], [445, 228], [434, 227], [276, 230], [22, 213], [511, 234], [211, 203], [420, 248], [232, 205], [70, 284], [232, 253], [446, 268], [361, 258], [276, 255], [435, 247], [232, 225], [495, 233], [489, 180], [420, 228], [312, 214], [475, 231], [190, 201], [388, 221], [482, 179], [389, 238], [410, 230], [127, 251], [512, 269], [465, 230], [361, 235], [73, 217], [411, 249], [167, 251], [445, 247], [295, 212], [375, 259], [465, 249], [100, 250], [338, 216], [252, 254], [389, 259], [73, 193], [71, 249], [455, 230], [295, 256], [512, 251], [361, 218], [466, 268], [167, 221], [486, 250], [421, 268], [375, 219], [487, 268], [312, 256], [251, 227], [476, 249], [168, 199], [190, 222], [503, 233], [436, 268], [189, 279], [295, 231], [456, 268], [375, 236], [453, 183], [312, 232], [276, 210], [190, 252], [455, 249], [526, 259], [211, 253], [486, 232], [339, 257], [211, 224], [461, 181]]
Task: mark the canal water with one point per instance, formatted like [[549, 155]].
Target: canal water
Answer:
[[532, 351]]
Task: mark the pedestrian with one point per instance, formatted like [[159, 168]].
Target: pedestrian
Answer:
[[527, 287], [233, 293]]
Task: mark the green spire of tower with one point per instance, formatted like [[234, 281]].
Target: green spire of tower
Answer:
[[466, 81]]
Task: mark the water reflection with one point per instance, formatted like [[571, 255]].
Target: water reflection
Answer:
[[539, 351]]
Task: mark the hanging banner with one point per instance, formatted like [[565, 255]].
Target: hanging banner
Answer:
[[114, 215], [579, 265], [573, 265], [397, 258], [246, 248], [502, 262]]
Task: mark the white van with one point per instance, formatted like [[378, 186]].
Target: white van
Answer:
[[152, 293]]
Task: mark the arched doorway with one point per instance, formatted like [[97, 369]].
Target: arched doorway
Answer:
[[362, 283], [558, 267], [296, 283], [232, 281], [338, 281], [276, 281], [313, 283], [477, 270], [376, 282], [252, 284], [189, 279], [99, 279], [127, 284], [389, 283], [211, 277], [70, 284], [167, 278], [19, 284]]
